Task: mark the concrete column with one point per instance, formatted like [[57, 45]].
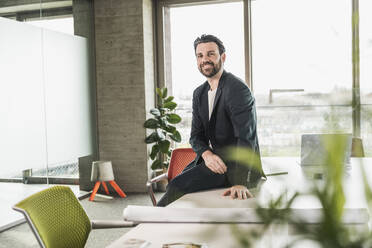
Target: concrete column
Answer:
[[83, 13], [125, 86]]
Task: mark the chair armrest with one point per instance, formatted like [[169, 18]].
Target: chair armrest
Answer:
[[149, 186], [101, 224], [159, 178]]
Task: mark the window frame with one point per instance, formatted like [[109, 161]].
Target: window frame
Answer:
[[163, 57]]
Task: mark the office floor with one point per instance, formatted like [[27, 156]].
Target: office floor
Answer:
[[100, 209]]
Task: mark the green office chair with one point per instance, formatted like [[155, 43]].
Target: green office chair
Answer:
[[58, 220]]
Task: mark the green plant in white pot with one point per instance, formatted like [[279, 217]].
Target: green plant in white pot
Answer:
[[162, 123]]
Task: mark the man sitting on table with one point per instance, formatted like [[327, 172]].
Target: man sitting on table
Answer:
[[223, 115]]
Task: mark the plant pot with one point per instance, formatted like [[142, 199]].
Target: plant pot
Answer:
[[161, 185]]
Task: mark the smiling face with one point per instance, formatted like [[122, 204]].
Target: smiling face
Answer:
[[208, 58]]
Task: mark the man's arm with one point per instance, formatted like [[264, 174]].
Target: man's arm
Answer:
[[242, 112], [199, 141], [197, 137], [241, 107], [214, 162]]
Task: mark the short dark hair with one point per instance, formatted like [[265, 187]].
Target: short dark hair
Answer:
[[209, 38]]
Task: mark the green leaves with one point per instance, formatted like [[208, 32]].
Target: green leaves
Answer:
[[152, 138], [176, 136], [159, 92], [156, 164], [328, 191], [367, 188], [151, 123], [164, 146], [173, 118], [162, 93], [333, 192], [154, 151], [155, 136], [161, 135], [245, 156], [170, 105], [155, 112], [169, 99], [170, 129], [163, 130]]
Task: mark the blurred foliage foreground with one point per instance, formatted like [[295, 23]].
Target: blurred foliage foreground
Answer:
[[330, 232]]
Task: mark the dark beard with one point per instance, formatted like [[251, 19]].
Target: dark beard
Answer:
[[214, 71]]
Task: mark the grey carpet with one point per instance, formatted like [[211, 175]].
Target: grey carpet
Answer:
[[21, 236]]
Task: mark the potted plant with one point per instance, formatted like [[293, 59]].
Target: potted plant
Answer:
[[329, 191], [162, 123]]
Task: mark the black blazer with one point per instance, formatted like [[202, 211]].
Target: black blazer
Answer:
[[232, 123]]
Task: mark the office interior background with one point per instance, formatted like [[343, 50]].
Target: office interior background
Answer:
[[79, 77]]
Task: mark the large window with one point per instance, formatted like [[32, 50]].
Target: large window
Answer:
[[223, 20], [300, 64], [366, 74], [301, 70]]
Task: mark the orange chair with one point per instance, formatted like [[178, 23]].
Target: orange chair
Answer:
[[180, 158]]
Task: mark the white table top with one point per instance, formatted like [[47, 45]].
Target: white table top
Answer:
[[220, 235]]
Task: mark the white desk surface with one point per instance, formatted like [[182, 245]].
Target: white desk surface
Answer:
[[221, 235]]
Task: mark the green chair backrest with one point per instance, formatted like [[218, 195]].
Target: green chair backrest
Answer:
[[56, 217]]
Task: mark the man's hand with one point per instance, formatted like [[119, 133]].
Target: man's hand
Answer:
[[238, 191], [214, 162]]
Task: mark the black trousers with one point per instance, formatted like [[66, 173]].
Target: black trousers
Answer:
[[194, 177]]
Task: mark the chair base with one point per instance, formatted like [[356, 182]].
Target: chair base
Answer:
[[113, 184]]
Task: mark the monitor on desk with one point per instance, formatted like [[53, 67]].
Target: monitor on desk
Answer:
[[314, 151]]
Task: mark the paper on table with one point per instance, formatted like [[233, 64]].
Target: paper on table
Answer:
[[145, 214], [135, 243]]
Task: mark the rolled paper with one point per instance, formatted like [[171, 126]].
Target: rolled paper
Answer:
[[147, 214]]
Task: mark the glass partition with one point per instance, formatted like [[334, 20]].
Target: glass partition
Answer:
[[22, 129], [62, 24], [45, 101], [67, 96]]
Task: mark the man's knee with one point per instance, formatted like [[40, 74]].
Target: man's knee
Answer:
[[176, 185], [172, 193]]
